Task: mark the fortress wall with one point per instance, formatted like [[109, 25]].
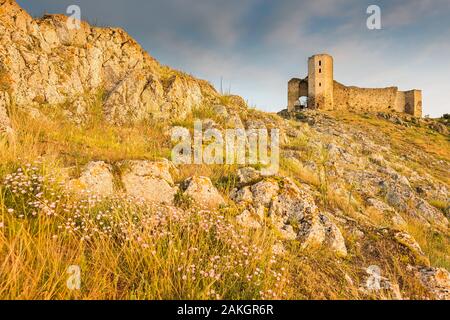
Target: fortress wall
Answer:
[[413, 102], [303, 88], [293, 93], [400, 102], [296, 88], [362, 99]]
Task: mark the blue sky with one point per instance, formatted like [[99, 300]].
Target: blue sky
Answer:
[[256, 46]]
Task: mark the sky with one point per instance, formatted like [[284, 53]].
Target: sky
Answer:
[[253, 47]]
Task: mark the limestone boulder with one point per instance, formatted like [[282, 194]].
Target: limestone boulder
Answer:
[[290, 209], [182, 95], [436, 280], [96, 178], [242, 196], [248, 175], [377, 159], [235, 121], [136, 96], [333, 236], [409, 242], [430, 213], [320, 231], [249, 220], [439, 127], [292, 204], [150, 181], [221, 111], [399, 195], [202, 191], [264, 191], [287, 232]]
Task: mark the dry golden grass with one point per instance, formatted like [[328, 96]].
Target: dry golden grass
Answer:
[[295, 169], [36, 252], [435, 245], [126, 249], [148, 252], [76, 145], [419, 142]]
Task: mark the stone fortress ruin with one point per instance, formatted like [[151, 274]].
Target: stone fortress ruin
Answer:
[[320, 91]]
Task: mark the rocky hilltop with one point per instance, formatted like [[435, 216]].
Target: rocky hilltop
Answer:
[[43, 61], [359, 208]]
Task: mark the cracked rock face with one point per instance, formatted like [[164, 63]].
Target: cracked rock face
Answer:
[[292, 211], [45, 61]]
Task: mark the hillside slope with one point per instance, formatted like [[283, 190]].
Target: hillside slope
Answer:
[[358, 210]]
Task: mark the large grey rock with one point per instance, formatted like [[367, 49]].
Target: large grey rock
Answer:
[[292, 212], [96, 178], [292, 204], [321, 231], [203, 192], [333, 236], [243, 195], [264, 191], [436, 280], [150, 181]]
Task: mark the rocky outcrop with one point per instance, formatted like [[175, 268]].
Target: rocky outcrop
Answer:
[[248, 175], [437, 280], [45, 61], [148, 181], [249, 219], [409, 242], [321, 231], [290, 208]]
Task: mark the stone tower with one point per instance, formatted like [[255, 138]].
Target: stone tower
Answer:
[[413, 103], [320, 82]]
